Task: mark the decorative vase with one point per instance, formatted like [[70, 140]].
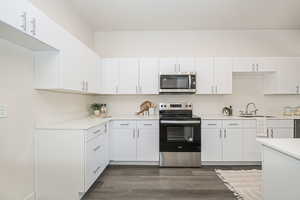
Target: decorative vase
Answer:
[[97, 113]]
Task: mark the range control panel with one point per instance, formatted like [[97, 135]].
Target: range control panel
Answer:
[[175, 106]]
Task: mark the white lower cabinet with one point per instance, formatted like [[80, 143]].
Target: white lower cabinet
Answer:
[[229, 141], [280, 128], [68, 162], [134, 141]]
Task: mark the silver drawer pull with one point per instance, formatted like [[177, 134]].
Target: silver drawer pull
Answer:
[[124, 124], [95, 172], [233, 124], [212, 124], [147, 124], [96, 132], [97, 148]]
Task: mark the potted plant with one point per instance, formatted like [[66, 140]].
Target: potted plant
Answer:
[[96, 108]]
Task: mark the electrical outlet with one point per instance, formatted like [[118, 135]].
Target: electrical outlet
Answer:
[[3, 111]]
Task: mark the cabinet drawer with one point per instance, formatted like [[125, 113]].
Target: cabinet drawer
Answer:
[[280, 123], [147, 124], [249, 123], [96, 131], [211, 123], [124, 124], [232, 124]]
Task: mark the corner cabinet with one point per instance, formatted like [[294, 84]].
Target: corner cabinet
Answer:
[[133, 141], [68, 162]]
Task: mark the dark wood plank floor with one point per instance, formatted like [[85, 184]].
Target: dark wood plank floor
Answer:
[[154, 183]]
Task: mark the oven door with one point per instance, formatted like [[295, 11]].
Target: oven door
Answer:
[[170, 83], [180, 136]]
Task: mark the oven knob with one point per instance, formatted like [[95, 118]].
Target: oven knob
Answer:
[[190, 106]]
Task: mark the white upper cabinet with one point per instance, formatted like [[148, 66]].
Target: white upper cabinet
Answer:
[[286, 78], [109, 73], [223, 75], [176, 65], [185, 64], [205, 75], [15, 13], [168, 65], [253, 64], [214, 75], [128, 76], [148, 81]]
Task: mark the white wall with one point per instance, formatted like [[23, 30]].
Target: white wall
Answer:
[[66, 15], [27, 106], [203, 43]]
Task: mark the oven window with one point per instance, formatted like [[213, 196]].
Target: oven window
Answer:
[[174, 82], [180, 134]]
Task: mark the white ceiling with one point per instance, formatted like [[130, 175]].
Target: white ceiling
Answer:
[[106, 15]]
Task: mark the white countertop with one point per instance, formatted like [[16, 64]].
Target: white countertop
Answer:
[[222, 117], [290, 147], [90, 122]]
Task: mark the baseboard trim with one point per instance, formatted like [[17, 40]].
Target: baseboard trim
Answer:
[[31, 196], [221, 163], [134, 163]]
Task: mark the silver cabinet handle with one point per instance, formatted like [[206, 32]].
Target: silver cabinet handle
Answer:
[[225, 133], [24, 21], [272, 133], [33, 24], [233, 124], [97, 131], [267, 132], [138, 133], [133, 133], [253, 68], [220, 133], [97, 148], [179, 68], [87, 86], [95, 172], [211, 124], [83, 86], [147, 124], [124, 124], [257, 67]]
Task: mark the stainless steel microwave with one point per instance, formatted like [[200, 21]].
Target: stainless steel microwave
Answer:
[[176, 83]]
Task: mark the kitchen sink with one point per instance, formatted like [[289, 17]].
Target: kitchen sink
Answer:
[[257, 116]]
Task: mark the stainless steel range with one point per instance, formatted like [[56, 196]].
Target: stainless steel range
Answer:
[[180, 136]]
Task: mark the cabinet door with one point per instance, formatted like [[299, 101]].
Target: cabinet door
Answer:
[[252, 149], [223, 75], [15, 13], [233, 145], [211, 147], [205, 75], [285, 80], [168, 65], [91, 67], [148, 80], [123, 145], [244, 65], [147, 144], [186, 64], [128, 76], [282, 132], [109, 73]]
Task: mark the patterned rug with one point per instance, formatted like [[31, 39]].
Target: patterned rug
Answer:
[[246, 184]]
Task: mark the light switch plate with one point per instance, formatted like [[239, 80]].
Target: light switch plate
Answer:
[[3, 111]]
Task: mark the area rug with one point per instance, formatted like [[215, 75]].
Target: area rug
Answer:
[[245, 184]]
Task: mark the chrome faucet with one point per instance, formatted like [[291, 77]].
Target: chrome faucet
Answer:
[[253, 112]]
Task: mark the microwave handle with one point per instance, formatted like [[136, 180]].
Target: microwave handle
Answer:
[[190, 81]]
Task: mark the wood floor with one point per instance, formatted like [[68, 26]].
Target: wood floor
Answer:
[[154, 183]]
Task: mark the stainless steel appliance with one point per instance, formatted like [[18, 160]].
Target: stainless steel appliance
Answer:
[[297, 128], [184, 82], [180, 136]]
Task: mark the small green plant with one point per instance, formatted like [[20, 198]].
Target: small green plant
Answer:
[[95, 106]]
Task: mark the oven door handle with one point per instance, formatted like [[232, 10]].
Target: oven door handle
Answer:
[[179, 122]]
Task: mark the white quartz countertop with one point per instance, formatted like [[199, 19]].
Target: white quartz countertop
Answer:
[[222, 117], [90, 122], [290, 147]]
